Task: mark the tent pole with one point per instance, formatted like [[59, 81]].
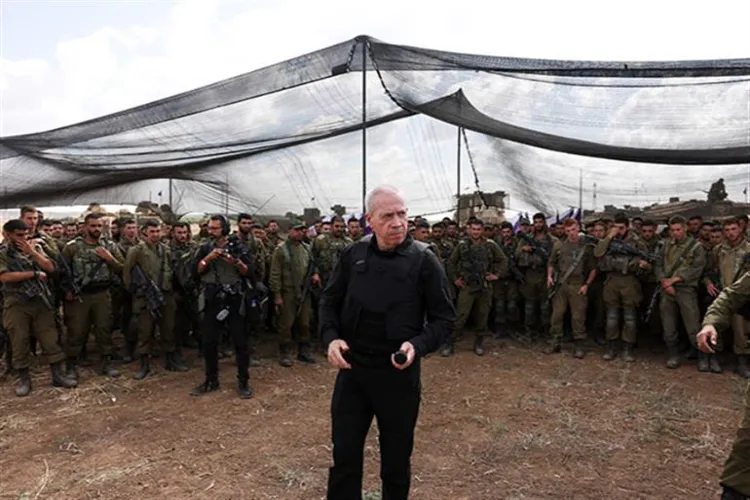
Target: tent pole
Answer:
[[364, 124]]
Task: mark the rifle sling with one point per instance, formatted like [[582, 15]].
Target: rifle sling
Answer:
[[681, 258], [576, 260]]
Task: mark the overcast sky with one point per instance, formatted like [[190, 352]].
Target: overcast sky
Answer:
[[66, 61]]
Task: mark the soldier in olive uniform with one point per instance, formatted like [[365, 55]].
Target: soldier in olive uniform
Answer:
[[506, 289], [290, 267], [187, 318], [622, 288], [327, 248], [735, 478], [727, 263], [678, 271], [533, 260], [597, 310], [653, 244], [354, 229], [122, 301], [93, 262], [148, 266], [475, 264], [27, 305], [573, 262]]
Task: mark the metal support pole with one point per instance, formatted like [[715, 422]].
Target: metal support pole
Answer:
[[170, 195], [364, 124], [458, 166]]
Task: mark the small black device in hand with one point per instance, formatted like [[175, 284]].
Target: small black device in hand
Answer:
[[400, 357]]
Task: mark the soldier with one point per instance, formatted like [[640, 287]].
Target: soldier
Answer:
[[532, 259], [727, 263], [734, 478], [291, 267], [717, 236], [202, 235], [93, 262], [327, 248], [653, 244], [148, 275], [187, 319], [30, 217], [506, 288], [70, 231], [27, 305], [225, 271], [272, 232], [596, 307], [573, 262], [442, 242], [694, 225], [354, 229], [122, 301], [678, 271], [622, 287], [475, 264]]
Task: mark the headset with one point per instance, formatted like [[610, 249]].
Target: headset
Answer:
[[225, 227]]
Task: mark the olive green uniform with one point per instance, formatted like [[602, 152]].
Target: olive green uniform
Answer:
[[156, 263], [326, 251], [92, 311], [728, 264], [688, 257], [122, 302], [576, 260], [289, 268], [187, 318], [622, 288], [471, 262], [26, 313], [534, 288], [505, 290], [649, 283], [736, 474]]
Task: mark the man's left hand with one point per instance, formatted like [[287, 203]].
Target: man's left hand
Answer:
[[407, 349]]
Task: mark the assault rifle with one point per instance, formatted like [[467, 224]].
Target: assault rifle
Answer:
[[619, 247], [535, 245], [512, 265], [33, 287], [154, 297], [306, 286], [67, 278]]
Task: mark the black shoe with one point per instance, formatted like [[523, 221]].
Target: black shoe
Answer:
[[579, 350], [742, 368], [728, 493], [107, 369], [24, 383], [244, 390], [174, 362], [285, 361], [674, 357], [628, 353], [478, 348], [144, 370], [611, 351], [713, 363], [205, 387], [447, 350], [59, 379], [703, 365], [71, 368], [306, 357]]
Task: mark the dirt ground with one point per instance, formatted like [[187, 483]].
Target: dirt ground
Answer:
[[515, 424]]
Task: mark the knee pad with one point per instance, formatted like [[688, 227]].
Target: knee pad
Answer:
[[613, 317], [630, 316], [529, 310]]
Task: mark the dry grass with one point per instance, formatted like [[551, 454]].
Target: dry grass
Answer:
[[515, 424]]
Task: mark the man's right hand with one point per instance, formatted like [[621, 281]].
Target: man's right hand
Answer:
[[336, 350], [707, 338]]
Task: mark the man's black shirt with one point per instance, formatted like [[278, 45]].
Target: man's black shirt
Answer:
[[376, 300]]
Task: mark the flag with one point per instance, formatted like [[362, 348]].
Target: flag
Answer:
[[744, 191], [578, 215]]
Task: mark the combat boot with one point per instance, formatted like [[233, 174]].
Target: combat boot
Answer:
[[553, 347], [59, 379], [674, 357], [713, 363], [610, 352], [107, 369], [703, 365], [447, 350], [71, 368], [305, 354], [144, 370], [628, 353], [478, 349], [742, 368], [129, 355], [173, 362], [206, 387], [284, 359], [24, 383], [244, 389], [579, 350], [728, 493]]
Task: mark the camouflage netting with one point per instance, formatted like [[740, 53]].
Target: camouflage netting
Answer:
[[289, 136]]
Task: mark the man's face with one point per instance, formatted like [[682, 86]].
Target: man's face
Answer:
[[716, 237], [527, 228], [16, 236], [46, 227], [180, 234], [130, 231], [166, 231], [573, 233], [31, 219], [451, 230], [677, 231], [705, 232], [214, 229], [506, 232], [637, 224], [297, 234], [153, 234], [325, 228], [622, 229], [273, 228], [648, 232], [732, 232], [421, 234], [488, 232], [93, 228], [599, 231], [259, 233], [437, 232], [354, 228], [539, 225], [388, 220], [337, 229], [693, 225], [114, 229], [57, 231], [245, 226], [70, 231], [475, 231]]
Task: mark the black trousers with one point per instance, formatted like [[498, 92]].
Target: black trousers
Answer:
[[392, 396], [212, 331]]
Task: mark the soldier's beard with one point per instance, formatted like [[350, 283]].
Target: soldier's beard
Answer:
[[94, 235]]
